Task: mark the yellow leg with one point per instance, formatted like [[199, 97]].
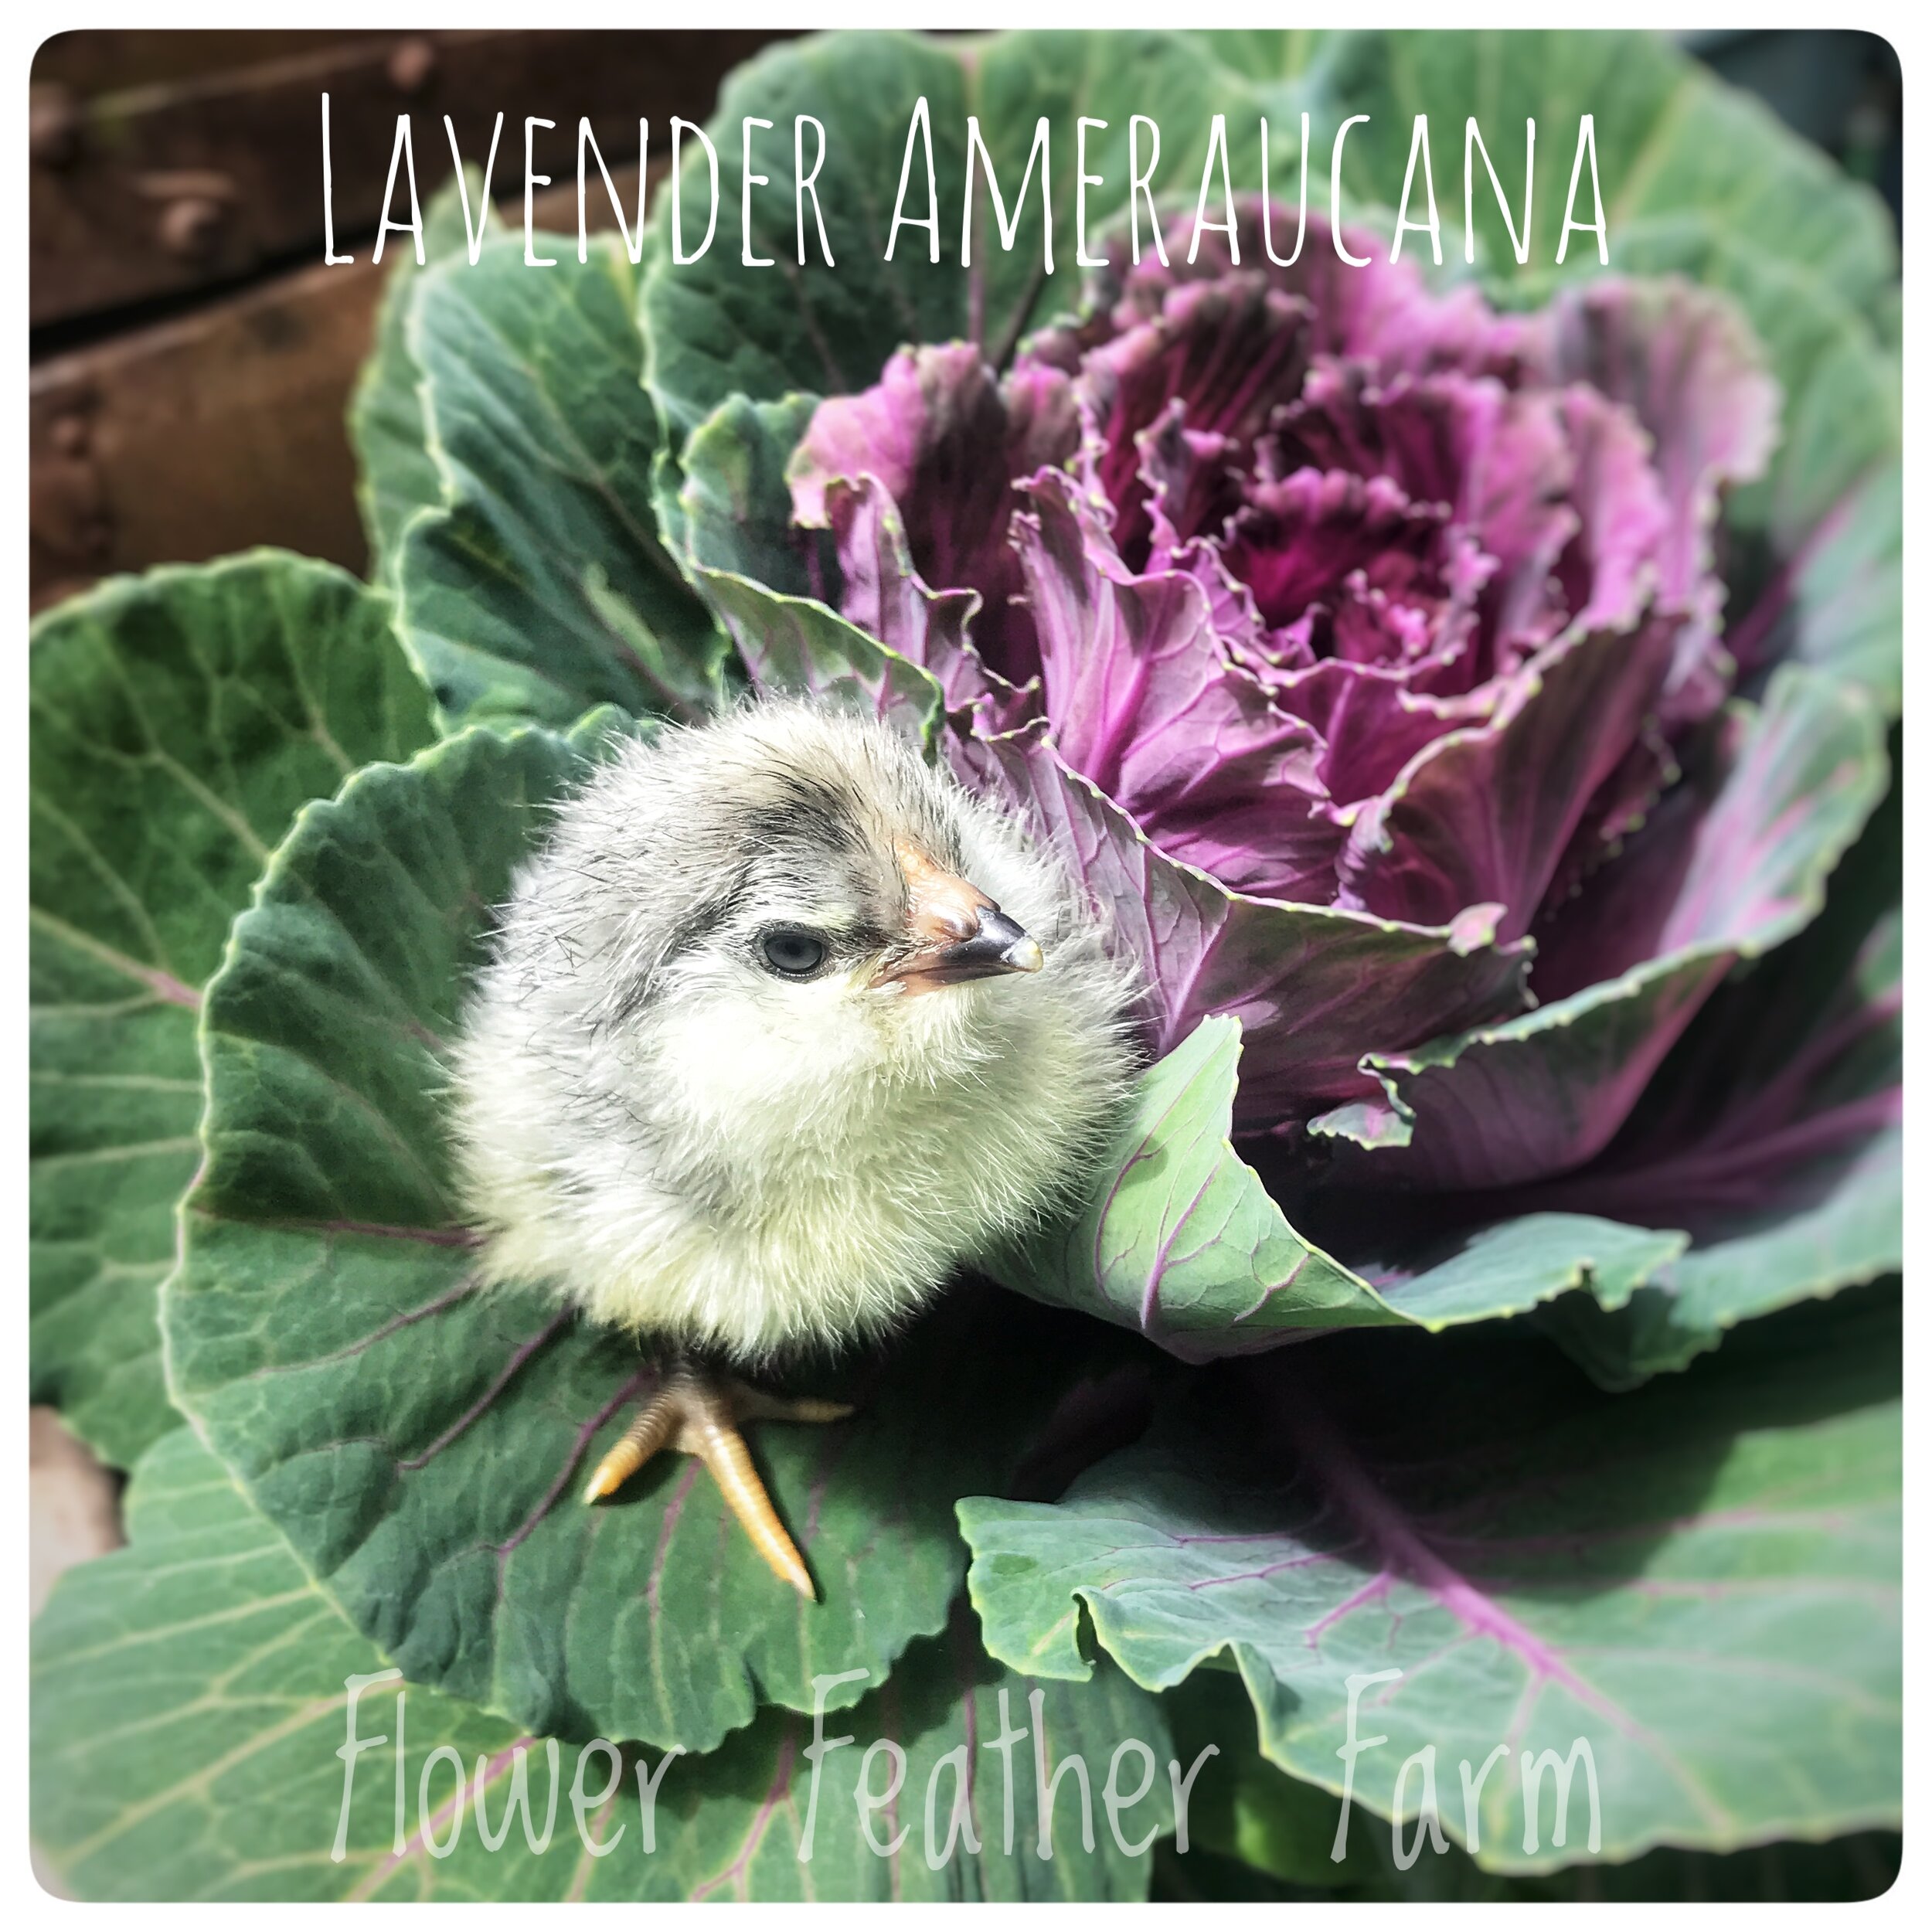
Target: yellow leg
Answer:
[[699, 1414]]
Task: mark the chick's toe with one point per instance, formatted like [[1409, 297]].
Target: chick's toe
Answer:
[[699, 1412]]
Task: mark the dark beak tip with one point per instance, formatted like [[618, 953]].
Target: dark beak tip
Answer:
[[1001, 945]]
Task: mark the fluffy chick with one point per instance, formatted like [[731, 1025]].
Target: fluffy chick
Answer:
[[779, 1028]]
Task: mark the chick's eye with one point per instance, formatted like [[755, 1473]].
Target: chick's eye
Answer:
[[790, 952]]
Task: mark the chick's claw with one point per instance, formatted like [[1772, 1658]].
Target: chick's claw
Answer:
[[699, 1414]]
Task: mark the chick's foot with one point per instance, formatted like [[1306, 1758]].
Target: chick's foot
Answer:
[[699, 1412]]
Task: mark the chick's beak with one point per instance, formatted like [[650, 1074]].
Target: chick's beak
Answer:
[[998, 945], [959, 934]]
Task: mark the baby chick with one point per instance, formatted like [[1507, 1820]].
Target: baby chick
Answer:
[[779, 1028]]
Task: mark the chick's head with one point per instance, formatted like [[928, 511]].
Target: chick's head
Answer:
[[782, 1026]]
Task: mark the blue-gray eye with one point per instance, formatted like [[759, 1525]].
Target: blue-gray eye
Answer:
[[791, 952]]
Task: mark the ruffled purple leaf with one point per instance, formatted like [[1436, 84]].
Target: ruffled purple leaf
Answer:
[[1334, 562], [1682, 359], [883, 594], [1716, 879], [1219, 357], [946, 439], [1310, 984], [1149, 705], [1485, 814], [1371, 720]]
